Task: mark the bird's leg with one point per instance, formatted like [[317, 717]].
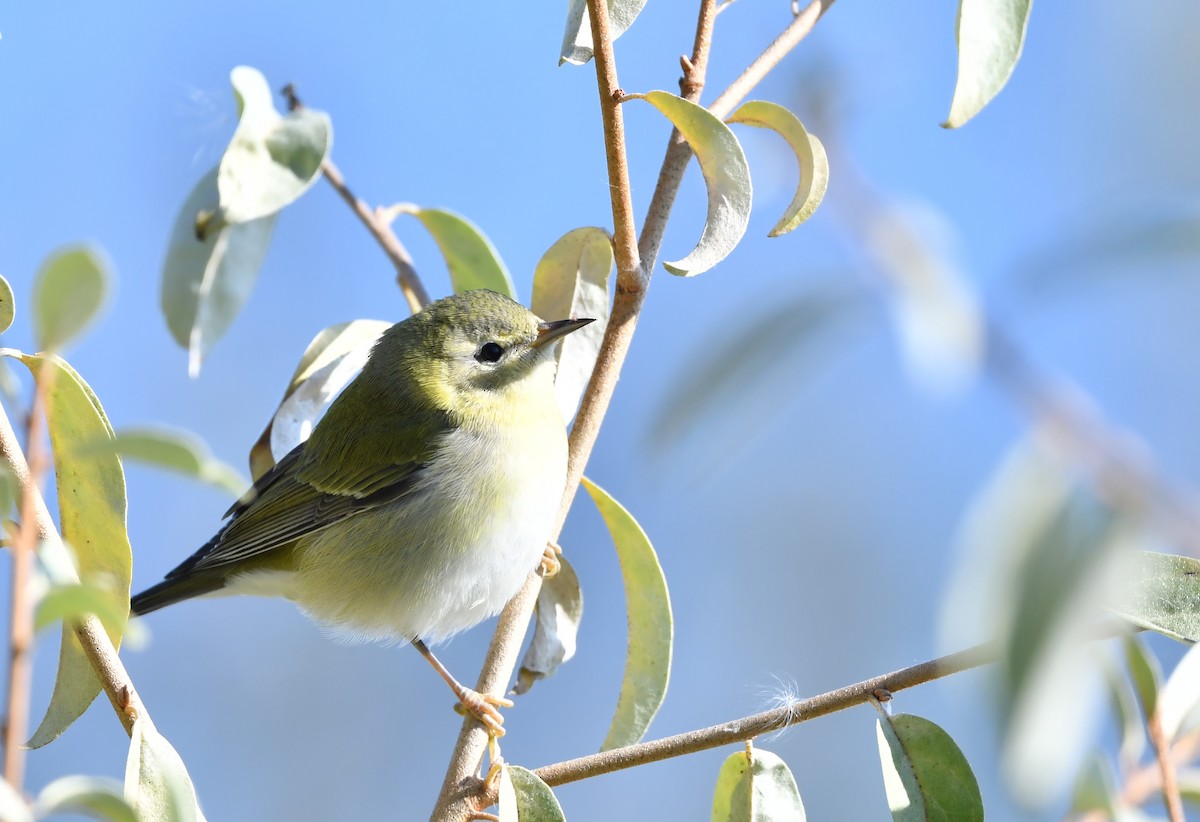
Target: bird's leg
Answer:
[[481, 706], [550, 564]]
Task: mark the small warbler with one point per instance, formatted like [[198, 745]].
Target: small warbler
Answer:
[[423, 497]]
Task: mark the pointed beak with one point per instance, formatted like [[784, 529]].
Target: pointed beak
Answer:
[[549, 332]]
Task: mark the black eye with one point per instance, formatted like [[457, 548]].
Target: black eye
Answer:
[[489, 352]]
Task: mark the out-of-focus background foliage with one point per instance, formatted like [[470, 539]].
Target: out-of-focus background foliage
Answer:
[[807, 532]]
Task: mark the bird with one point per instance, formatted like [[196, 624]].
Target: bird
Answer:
[[422, 498]]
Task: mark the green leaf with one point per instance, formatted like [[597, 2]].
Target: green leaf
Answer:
[[571, 280], [67, 294], [756, 786], [726, 174], [524, 797], [1164, 595], [925, 773], [1096, 789], [8, 305], [331, 361], [559, 610], [174, 450], [157, 784], [91, 504], [1145, 672], [271, 160], [651, 628], [97, 797], [13, 807], [75, 600], [577, 46], [990, 35], [810, 154], [472, 259], [1179, 697], [1128, 714], [207, 280]]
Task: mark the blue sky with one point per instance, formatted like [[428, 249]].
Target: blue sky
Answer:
[[805, 548]]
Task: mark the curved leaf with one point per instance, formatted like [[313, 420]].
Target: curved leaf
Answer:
[[1164, 595], [207, 280], [174, 450], [925, 773], [559, 610], [990, 35], [1096, 789], [577, 46], [67, 294], [78, 599], [726, 175], [1179, 697], [13, 807], [756, 786], [157, 784], [97, 797], [1146, 673], [571, 280], [8, 305], [271, 160], [810, 154], [525, 797], [651, 628], [472, 259], [91, 503]]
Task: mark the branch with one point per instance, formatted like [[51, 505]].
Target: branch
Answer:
[[96, 645], [1166, 768], [406, 274]]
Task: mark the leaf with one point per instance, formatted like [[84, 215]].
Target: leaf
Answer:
[[13, 807], [67, 294], [91, 503], [1128, 714], [1145, 672], [651, 628], [726, 175], [75, 600], [577, 46], [756, 786], [207, 281], [532, 799], [331, 361], [1164, 595], [925, 773], [97, 797], [1096, 790], [990, 35], [8, 305], [571, 280], [1179, 697], [472, 259], [180, 451], [157, 784], [810, 154], [271, 160], [559, 611]]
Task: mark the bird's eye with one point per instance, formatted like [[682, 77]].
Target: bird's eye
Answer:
[[489, 352]]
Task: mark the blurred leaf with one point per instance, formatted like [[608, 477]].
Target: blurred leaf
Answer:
[[1188, 780], [75, 600], [207, 281], [577, 46], [1164, 595], [571, 280], [10, 491], [726, 175], [810, 154], [990, 35], [1179, 698], [559, 610], [738, 374], [1096, 789], [331, 361], [472, 259], [1128, 713], [8, 305], [1145, 672], [525, 797], [91, 503], [13, 807], [174, 450], [271, 160], [94, 796], [925, 773], [67, 294], [157, 784], [756, 786], [651, 628]]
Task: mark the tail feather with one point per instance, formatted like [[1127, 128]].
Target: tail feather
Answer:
[[170, 591]]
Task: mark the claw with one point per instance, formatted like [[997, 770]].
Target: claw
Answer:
[[484, 708], [550, 564]]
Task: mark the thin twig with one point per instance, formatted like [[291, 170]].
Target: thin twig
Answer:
[[1166, 768], [406, 274], [96, 645]]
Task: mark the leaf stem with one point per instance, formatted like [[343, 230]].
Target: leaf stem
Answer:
[[1166, 767]]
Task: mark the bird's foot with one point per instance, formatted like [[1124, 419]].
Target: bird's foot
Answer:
[[484, 708], [550, 564]]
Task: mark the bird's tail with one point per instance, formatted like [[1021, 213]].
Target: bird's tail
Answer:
[[170, 591]]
